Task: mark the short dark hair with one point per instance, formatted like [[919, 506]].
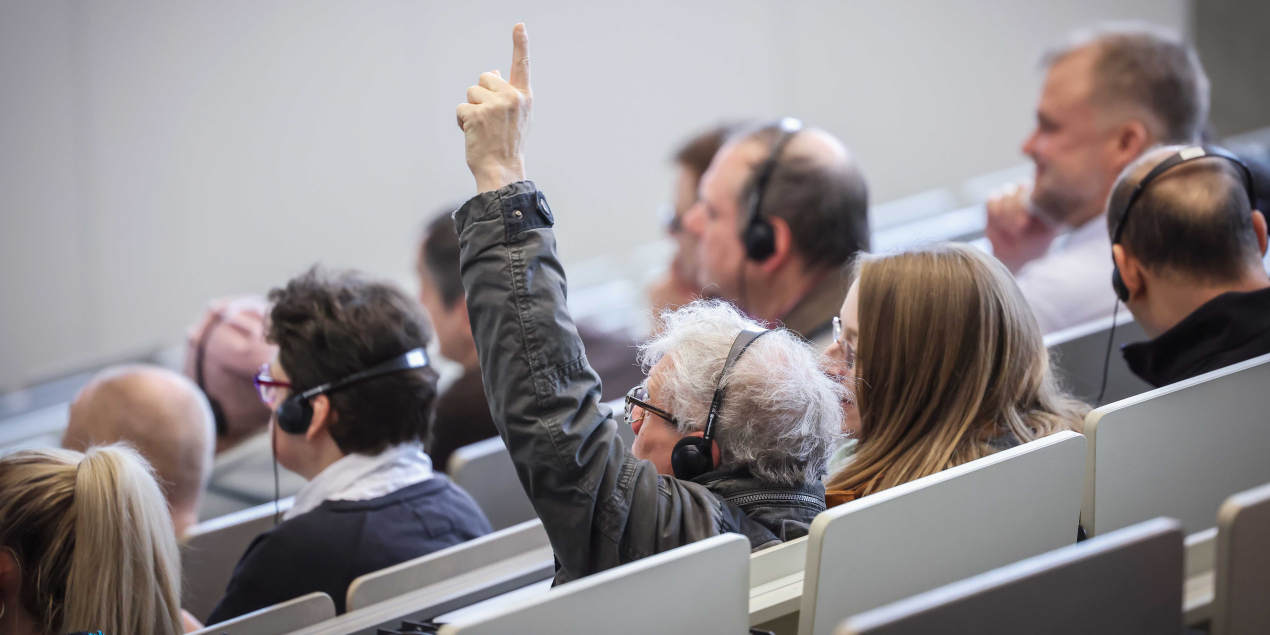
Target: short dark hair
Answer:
[[440, 256], [697, 153], [1150, 68], [330, 325], [825, 204], [1195, 219]]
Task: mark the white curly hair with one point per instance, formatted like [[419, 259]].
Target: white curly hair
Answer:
[[781, 414]]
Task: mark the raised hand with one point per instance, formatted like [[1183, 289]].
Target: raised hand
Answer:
[[1018, 235], [495, 121]]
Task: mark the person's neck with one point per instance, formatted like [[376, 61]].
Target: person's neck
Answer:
[[1086, 213], [471, 360], [1175, 302], [771, 298], [327, 457]]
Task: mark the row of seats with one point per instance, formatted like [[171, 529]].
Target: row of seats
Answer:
[[1177, 452]]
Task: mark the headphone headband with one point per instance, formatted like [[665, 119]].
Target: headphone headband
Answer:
[[742, 342], [1184, 155], [417, 358], [758, 237]]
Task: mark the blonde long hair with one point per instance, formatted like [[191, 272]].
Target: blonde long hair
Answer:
[[950, 363], [94, 541]]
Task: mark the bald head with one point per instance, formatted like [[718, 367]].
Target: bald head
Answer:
[[160, 413], [816, 187], [1194, 220]]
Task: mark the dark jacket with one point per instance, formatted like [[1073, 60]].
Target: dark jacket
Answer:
[[328, 547], [1230, 328], [601, 507], [463, 414]]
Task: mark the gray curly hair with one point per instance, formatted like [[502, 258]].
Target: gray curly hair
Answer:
[[781, 415]]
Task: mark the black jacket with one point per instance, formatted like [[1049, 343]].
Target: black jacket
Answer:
[[601, 506], [1230, 328], [328, 547]]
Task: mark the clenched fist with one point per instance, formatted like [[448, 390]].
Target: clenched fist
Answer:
[[495, 121]]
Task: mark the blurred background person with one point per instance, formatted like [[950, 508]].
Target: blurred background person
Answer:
[[86, 544], [1109, 94], [163, 416], [812, 205], [680, 284]]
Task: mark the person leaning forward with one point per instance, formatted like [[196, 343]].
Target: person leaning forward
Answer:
[[601, 503]]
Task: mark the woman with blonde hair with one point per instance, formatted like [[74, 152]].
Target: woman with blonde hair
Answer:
[[86, 544], [945, 363]]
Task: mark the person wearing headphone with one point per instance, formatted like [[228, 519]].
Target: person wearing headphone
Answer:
[[781, 209], [352, 394], [1187, 247], [733, 426]]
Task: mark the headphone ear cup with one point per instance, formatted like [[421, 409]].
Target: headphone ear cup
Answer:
[[294, 415], [760, 240], [691, 458], [1117, 283]]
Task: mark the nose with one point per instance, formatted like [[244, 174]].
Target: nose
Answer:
[[1029, 144], [693, 218]]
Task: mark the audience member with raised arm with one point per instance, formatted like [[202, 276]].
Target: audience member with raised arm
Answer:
[[224, 349], [463, 416], [1187, 248], [781, 209], [733, 425], [681, 282], [352, 392], [86, 544], [1108, 96], [161, 414], [946, 365]]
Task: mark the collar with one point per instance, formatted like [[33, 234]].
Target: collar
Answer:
[[1094, 230], [358, 477], [739, 487], [814, 312], [1228, 324]]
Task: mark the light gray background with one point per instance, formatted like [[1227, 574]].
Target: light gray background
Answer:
[[155, 155]]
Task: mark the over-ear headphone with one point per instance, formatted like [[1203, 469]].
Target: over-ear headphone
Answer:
[[295, 414], [1184, 155], [200, 353], [694, 456], [759, 237]]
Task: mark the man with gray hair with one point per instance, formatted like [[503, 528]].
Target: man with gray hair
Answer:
[[1109, 94], [161, 414], [733, 425]]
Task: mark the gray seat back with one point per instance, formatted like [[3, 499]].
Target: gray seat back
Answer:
[[213, 548], [1241, 604], [278, 619], [485, 470], [1078, 354]]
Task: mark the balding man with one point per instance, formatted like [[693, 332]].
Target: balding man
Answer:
[[1189, 254], [1109, 95], [160, 413], [781, 209]]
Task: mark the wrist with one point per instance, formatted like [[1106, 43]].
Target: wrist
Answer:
[[498, 177]]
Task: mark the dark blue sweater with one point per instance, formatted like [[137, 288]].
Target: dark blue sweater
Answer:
[[327, 548]]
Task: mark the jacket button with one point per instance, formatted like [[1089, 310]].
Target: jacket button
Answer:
[[517, 214]]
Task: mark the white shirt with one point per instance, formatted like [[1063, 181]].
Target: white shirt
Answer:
[[1071, 284], [358, 477]]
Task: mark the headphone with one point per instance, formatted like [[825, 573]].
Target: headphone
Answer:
[[694, 456], [295, 414], [200, 353], [1184, 155], [759, 237]]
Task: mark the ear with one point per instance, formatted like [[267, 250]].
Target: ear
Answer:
[[323, 417], [784, 241], [714, 446], [1259, 226], [1133, 139], [1131, 271]]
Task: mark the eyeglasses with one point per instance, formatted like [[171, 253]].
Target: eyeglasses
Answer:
[[848, 351], [638, 397], [268, 387]]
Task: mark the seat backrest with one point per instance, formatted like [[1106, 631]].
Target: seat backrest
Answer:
[[1178, 451], [446, 563], [935, 530], [1127, 582], [702, 587], [1242, 580], [211, 550], [485, 470], [278, 619], [1078, 354]]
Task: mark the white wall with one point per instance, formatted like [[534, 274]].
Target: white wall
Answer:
[[154, 154]]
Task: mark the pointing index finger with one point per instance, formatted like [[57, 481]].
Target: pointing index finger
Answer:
[[520, 58]]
